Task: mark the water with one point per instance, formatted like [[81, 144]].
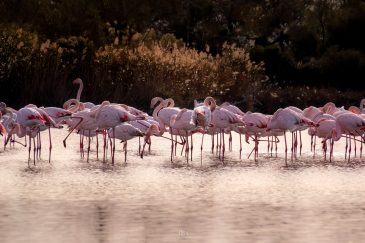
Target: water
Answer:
[[151, 200]]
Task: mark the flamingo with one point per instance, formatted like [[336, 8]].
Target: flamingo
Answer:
[[110, 116], [79, 82], [287, 120], [330, 108], [234, 109], [125, 132], [256, 125], [182, 121], [32, 119], [349, 124], [84, 120], [143, 125], [222, 119], [324, 131]]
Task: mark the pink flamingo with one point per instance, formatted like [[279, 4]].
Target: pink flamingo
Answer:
[[182, 121], [234, 109], [222, 119], [256, 125], [324, 131], [84, 120], [110, 116], [349, 124], [79, 82], [32, 119], [287, 120], [125, 132]]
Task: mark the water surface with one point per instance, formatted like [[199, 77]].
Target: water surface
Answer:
[[152, 200]]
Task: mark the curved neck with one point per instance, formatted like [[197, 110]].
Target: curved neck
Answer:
[[79, 91], [169, 102], [210, 102], [20, 131], [74, 108], [155, 116], [362, 103]]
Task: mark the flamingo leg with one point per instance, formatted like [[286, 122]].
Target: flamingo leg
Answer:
[[104, 146], [97, 145], [212, 149], [325, 149], [183, 145], [276, 149], [361, 147], [346, 147], [292, 145], [29, 149], [331, 150], [172, 146], [286, 149], [256, 148], [187, 150], [113, 148], [40, 143], [217, 148], [230, 141], [139, 145], [125, 152], [224, 145], [272, 145], [349, 148], [191, 147], [50, 144], [88, 148], [240, 146], [301, 144], [201, 151], [314, 146], [64, 140], [34, 150]]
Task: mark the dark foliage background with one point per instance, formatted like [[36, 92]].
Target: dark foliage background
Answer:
[[261, 54]]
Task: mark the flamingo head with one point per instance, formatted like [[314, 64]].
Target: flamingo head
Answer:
[[154, 101], [77, 81], [354, 109], [200, 118], [2, 106]]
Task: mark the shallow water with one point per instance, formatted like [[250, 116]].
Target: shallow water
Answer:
[[152, 200]]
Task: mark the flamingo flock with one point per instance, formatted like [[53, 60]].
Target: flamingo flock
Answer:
[[112, 121]]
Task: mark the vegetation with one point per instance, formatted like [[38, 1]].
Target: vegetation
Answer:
[[262, 54]]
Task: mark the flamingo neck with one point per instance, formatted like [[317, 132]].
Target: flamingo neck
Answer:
[[81, 86], [20, 131], [210, 102], [362, 103]]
